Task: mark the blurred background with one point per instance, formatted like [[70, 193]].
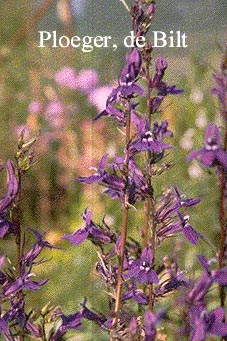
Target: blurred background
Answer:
[[58, 91]]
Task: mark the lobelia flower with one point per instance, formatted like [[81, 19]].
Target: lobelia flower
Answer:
[[12, 187], [16, 311], [23, 282], [160, 65], [36, 249], [190, 234], [204, 323], [136, 187], [4, 329], [117, 112], [90, 230], [150, 322], [6, 226], [127, 83], [161, 130], [72, 321], [136, 294], [142, 269], [146, 140], [171, 202], [99, 319], [211, 154]]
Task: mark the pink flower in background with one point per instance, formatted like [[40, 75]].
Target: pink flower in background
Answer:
[[67, 77], [34, 107], [87, 80], [22, 128], [98, 97], [54, 113]]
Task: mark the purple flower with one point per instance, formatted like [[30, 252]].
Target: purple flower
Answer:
[[171, 202], [5, 225], [67, 77], [161, 130], [35, 107], [161, 65], [91, 230], [4, 329], [99, 319], [114, 183], [99, 175], [54, 113], [190, 234], [98, 97], [72, 321], [204, 323], [23, 282], [142, 269], [12, 187], [138, 187], [136, 294], [87, 80], [147, 140], [211, 154], [36, 249], [150, 322], [127, 83]]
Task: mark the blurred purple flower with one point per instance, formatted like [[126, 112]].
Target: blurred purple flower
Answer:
[[150, 322], [204, 323], [211, 154], [54, 113], [67, 77], [22, 129], [98, 97], [87, 80], [35, 107]]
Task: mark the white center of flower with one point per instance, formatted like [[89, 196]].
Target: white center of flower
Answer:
[[145, 266]]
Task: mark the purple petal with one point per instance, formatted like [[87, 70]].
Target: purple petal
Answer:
[[222, 157], [208, 158], [77, 237], [12, 187], [134, 269], [147, 255], [191, 235], [220, 276], [194, 154]]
